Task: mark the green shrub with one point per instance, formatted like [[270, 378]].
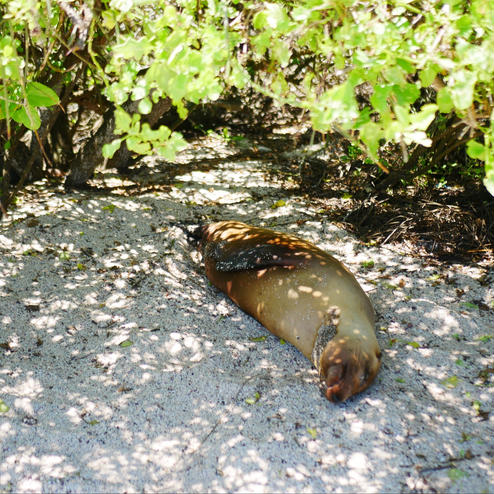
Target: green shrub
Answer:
[[359, 67]]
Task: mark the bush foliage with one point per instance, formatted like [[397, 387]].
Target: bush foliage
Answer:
[[378, 72]]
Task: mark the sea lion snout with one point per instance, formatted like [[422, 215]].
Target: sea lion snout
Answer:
[[347, 368]]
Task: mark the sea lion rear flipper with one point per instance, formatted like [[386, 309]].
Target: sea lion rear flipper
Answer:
[[258, 257]]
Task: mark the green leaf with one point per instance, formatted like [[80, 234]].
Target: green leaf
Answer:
[[461, 88], [125, 343], [476, 150], [402, 114], [427, 75], [456, 474], [145, 106], [136, 145], [407, 94], [394, 74], [261, 42], [4, 408], [177, 87], [405, 65], [109, 207], [312, 432], [31, 120], [424, 117], [450, 382], [132, 48], [161, 134], [485, 338], [172, 146], [363, 118], [281, 52], [413, 344], [64, 256], [370, 134], [367, 264], [40, 95], [122, 121], [110, 149], [489, 174], [258, 338], [379, 98], [253, 400], [273, 16], [278, 204], [444, 100], [464, 25], [109, 19]]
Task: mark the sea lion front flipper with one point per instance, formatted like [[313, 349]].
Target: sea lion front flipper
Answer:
[[257, 257]]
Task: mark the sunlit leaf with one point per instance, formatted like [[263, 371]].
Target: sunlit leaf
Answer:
[[476, 150], [4, 408], [485, 338], [40, 95], [122, 120], [253, 400], [461, 88], [258, 338], [367, 264], [456, 474], [312, 432], [450, 382], [278, 204], [110, 149], [138, 146], [29, 119], [145, 106]]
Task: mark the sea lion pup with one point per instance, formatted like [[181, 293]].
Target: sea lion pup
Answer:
[[301, 294]]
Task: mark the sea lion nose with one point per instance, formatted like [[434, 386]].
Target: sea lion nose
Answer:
[[334, 393], [334, 381]]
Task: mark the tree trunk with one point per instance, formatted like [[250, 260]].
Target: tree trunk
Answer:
[[91, 155]]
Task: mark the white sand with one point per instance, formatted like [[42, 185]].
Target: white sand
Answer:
[[81, 274]]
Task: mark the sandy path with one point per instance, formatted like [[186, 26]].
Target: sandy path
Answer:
[[123, 370]]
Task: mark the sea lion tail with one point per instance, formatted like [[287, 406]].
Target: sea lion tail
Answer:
[[197, 234], [193, 233]]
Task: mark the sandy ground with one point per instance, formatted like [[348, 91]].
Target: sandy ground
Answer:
[[124, 370]]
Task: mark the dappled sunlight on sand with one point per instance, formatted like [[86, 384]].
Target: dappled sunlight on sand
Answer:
[[123, 369]]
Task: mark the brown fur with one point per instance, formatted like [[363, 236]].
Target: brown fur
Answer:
[[294, 289]]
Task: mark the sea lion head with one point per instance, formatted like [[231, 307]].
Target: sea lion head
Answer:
[[348, 367]]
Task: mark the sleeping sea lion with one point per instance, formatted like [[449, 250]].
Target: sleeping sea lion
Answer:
[[301, 294]]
